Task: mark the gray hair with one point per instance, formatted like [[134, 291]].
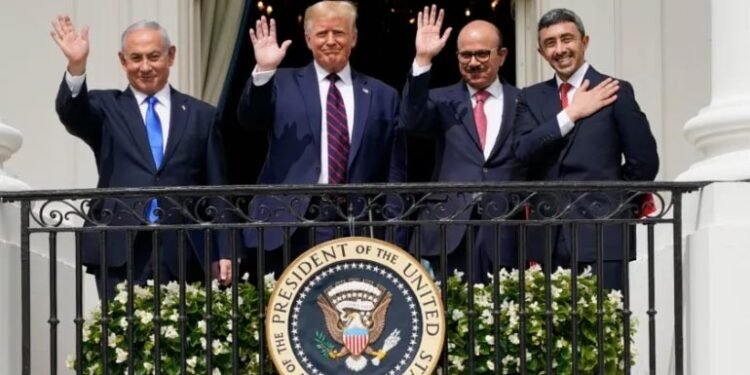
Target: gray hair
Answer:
[[561, 15], [148, 25]]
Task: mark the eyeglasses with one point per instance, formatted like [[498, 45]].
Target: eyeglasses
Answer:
[[482, 55]]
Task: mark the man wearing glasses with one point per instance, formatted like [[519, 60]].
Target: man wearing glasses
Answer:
[[471, 122]]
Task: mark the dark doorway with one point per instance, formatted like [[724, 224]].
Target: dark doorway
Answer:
[[385, 50]]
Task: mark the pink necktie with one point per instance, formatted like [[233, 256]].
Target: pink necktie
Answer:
[[564, 89], [480, 118]]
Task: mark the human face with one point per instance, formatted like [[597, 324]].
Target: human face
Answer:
[[331, 39], [145, 60], [477, 69], [563, 47]]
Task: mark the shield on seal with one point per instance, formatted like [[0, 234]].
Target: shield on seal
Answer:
[[356, 339]]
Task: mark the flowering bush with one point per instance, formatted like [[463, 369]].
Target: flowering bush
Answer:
[[169, 345], [457, 328], [536, 342]]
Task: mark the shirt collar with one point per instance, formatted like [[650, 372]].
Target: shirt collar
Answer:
[[345, 75], [576, 80], [495, 89], [163, 96]]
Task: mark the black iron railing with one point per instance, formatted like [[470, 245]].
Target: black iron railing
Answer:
[[398, 213]]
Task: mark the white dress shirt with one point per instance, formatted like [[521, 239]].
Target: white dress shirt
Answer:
[[493, 107], [345, 86], [163, 106], [576, 80]]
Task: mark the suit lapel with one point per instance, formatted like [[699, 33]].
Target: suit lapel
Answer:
[[307, 80], [461, 103], [128, 108], [509, 110], [361, 111], [179, 115]]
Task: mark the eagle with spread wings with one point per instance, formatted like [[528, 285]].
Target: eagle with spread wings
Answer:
[[357, 326]]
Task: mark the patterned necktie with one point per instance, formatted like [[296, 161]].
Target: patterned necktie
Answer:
[[564, 90], [155, 140], [480, 118], [338, 133]]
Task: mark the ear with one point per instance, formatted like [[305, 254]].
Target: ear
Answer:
[[585, 42], [308, 42], [171, 52], [354, 38], [123, 62]]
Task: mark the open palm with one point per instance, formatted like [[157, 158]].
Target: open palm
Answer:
[[74, 45], [429, 42], [268, 52]]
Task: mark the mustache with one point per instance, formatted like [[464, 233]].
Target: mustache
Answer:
[[476, 69]]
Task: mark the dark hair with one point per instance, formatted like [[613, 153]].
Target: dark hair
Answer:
[[560, 15]]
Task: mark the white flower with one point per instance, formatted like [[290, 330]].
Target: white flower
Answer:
[[491, 365], [246, 276], [123, 323], [122, 297], [70, 362], [112, 340], [216, 372], [269, 280], [458, 274], [490, 339], [217, 347], [457, 314], [122, 355], [202, 326], [514, 339], [148, 367], [169, 332], [192, 361], [146, 317]]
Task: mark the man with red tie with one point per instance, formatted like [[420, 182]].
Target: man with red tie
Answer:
[[582, 126], [471, 122], [326, 122]]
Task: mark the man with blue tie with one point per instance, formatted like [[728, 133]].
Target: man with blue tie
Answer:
[[471, 122], [582, 126], [146, 135], [326, 122]]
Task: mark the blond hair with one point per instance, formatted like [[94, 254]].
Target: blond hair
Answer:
[[331, 8]]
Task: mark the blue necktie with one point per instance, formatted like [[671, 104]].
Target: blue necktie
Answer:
[[338, 134], [155, 140]]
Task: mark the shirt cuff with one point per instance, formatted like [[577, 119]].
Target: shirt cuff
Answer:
[[75, 83], [564, 122], [261, 78], [417, 70]]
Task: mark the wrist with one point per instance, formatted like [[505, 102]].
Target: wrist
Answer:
[[573, 115], [77, 68], [423, 59], [264, 68]]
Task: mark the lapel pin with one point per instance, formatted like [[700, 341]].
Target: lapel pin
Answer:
[[366, 91], [183, 107]]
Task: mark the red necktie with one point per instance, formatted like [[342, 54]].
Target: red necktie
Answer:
[[480, 118], [564, 89], [338, 134]]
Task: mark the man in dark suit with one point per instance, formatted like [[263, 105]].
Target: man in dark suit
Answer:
[[327, 124], [147, 135], [582, 126], [471, 121]]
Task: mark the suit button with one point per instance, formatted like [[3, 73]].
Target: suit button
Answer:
[[485, 170]]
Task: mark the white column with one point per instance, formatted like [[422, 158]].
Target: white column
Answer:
[[10, 142], [722, 130]]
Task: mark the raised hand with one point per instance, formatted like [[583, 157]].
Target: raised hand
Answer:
[[74, 45], [587, 101], [268, 53], [429, 42]]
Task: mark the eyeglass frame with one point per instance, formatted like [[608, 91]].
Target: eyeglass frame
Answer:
[[474, 54]]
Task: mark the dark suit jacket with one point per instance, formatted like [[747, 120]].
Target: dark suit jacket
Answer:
[[446, 114], [592, 151], [288, 107], [110, 122]]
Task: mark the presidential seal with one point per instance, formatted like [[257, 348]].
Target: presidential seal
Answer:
[[355, 306]]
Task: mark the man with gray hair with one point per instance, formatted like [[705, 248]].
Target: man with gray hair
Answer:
[[146, 135], [326, 122], [582, 125]]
